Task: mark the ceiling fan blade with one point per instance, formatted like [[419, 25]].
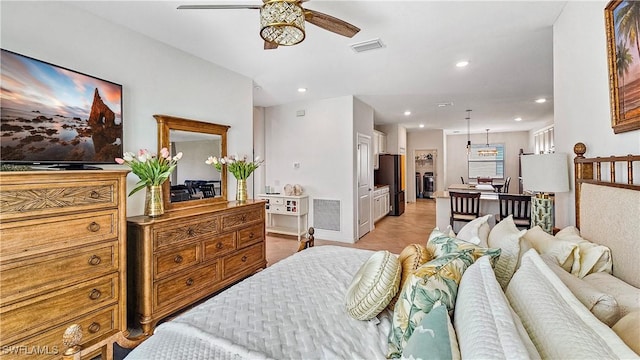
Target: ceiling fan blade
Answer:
[[210, 7], [330, 23], [270, 45]]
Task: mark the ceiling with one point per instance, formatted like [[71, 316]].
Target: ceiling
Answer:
[[508, 45]]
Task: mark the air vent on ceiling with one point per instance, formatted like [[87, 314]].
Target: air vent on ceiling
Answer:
[[367, 45]]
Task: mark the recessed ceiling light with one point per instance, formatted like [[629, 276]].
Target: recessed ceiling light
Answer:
[[302, 90], [445, 104], [407, 113], [541, 100], [462, 63], [518, 119], [421, 125]]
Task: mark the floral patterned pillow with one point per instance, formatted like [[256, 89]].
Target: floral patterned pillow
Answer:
[[440, 244], [435, 282]]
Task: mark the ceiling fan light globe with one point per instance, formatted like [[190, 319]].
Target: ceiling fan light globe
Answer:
[[282, 22]]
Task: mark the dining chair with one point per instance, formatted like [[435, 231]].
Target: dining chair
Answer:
[[505, 188], [464, 206], [208, 190], [462, 179], [517, 205]]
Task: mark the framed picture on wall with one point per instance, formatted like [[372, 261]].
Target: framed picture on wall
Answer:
[[623, 49]]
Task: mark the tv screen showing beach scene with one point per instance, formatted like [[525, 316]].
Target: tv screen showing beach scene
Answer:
[[53, 115]]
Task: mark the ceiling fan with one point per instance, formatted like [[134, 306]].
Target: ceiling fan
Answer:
[[282, 21]]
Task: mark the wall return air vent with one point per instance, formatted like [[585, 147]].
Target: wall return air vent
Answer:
[[367, 45]]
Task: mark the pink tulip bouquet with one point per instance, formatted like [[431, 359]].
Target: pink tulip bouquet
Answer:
[[149, 167], [240, 167]]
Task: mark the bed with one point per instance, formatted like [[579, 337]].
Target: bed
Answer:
[[259, 318]]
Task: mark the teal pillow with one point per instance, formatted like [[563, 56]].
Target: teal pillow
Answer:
[[440, 244], [432, 284], [434, 338]]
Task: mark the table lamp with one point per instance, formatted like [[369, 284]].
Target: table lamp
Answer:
[[544, 175]]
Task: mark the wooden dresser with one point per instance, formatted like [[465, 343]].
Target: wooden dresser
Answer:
[[184, 256], [62, 260]]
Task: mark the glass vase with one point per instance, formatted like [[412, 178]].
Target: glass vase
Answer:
[[241, 192], [153, 205]]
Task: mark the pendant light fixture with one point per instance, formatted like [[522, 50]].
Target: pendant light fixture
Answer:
[[488, 150], [468, 118]]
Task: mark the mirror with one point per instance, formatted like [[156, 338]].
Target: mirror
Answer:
[[193, 183]]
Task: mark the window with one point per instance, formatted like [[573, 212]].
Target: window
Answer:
[[543, 140], [486, 161]]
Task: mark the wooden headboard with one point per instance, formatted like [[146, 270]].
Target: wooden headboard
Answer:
[[608, 208]]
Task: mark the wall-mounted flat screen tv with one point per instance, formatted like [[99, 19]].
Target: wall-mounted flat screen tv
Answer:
[[53, 115]]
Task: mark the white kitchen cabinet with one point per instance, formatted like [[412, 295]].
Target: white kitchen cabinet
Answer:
[[380, 203], [379, 147]]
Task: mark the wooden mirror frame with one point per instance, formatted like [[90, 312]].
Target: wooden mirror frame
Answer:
[[167, 123]]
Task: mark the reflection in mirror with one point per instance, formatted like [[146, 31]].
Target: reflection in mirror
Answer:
[[193, 183], [192, 178]]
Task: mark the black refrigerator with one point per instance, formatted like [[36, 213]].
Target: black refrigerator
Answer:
[[389, 173]]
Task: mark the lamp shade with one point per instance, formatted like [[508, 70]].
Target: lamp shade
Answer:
[[548, 173]]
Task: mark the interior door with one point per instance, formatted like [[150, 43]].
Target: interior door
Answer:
[[364, 184]]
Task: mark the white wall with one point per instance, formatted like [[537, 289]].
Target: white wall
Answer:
[[157, 79], [322, 141], [581, 93], [457, 154], [259, 175], [424, 140]]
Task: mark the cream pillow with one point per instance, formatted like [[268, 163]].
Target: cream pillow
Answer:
[[558, 324], [507, 237], [410, 259], [476, 231], [604, 306], [628, 328], [627, 296], [373, 286], [566, 253], [593, 257]]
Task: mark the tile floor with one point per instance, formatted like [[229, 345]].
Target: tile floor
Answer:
[[391, 233]]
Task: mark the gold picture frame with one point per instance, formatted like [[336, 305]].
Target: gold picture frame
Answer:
[[623, 52]]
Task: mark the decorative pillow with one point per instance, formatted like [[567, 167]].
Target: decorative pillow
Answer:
[[558, 324], [410, 259], [506, 237], [433, 338], [373, 286], [440, 244], [627, 296], [629, 331], [566, 252], [434, 282], [593, 257], [602, 305], [476, 231], [484, 321]]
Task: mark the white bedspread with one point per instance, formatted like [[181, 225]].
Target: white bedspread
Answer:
[[291, 310]]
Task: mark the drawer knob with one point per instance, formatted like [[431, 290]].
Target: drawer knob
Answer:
[[251, 235], [94, 260], [243, 218], [191, 232], [94, 226], [178, 259], [244, 258], [189, 282], [219, 245], [94, 294], [94, 327], [94, 195]]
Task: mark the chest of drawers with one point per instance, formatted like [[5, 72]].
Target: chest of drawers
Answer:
[[184, 256], [62, 259]]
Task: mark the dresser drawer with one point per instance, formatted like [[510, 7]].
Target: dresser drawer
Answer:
[[49, 343], [30, 316], [39, 199], [235, 220], [24, 278], [250, 235], [243, 259], [171, 235], [220, 245], [24, 238], [181, 288], [174, 260]]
